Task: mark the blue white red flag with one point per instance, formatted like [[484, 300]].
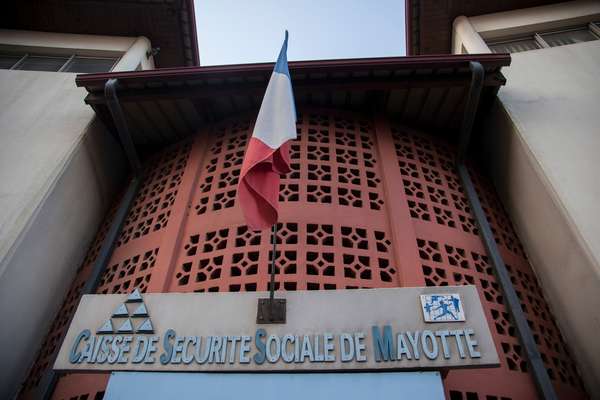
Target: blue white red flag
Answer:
[[267, 156]]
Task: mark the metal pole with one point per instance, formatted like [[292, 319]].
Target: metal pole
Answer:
[[477, 75], [540, 375], [272, 310], [273, 257], [114, 106], [513, 303]]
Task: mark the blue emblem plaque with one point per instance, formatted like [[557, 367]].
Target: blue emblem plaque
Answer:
[[446, 307]]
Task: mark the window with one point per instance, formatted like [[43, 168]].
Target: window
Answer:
[[90, 64], [56, 63], [547, 39], [7, 60], [571, 36], [514, 46], [41, 63]]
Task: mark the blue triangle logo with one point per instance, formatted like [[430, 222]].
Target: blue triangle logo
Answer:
[[106, 328], [126, 327], [145, 327], [121, 311], [141, 311], [134, 297]]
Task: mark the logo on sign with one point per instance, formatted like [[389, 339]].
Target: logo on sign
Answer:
[[442, 307], [129, 317]]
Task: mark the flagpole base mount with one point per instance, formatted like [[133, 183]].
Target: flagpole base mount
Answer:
[[268, 313]]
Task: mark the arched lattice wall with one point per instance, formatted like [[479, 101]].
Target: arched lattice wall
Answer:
[[368, 204]]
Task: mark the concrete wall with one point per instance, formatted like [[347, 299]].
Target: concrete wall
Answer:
[[59, 170], [542, 141]]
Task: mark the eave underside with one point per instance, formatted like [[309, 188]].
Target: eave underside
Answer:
[[162, 107]]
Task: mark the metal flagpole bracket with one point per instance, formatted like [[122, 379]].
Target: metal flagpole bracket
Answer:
[[271, 310]]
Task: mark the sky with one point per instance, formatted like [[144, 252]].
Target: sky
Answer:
[[250, 31]]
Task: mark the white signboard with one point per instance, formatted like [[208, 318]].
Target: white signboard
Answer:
[[395, 329]]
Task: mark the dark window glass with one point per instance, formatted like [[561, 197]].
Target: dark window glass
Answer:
[[42, 63], [568, 37], [88, 64], [514, 46], [8, 60]]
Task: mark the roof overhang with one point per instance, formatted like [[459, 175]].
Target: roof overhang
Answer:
[[169, 24], [163, 106]]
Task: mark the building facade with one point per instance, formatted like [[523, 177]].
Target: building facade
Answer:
[[60, 169], [538, 140], [352, 176], [374, 200]]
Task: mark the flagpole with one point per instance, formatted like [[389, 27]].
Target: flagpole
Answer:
[[273, 257], [272, 310], [274, 127]]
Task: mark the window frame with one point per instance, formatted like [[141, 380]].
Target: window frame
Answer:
[[66, 64], [513, 40], [593, 27], [74, 56]]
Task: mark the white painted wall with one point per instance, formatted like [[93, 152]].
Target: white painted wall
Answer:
[[548, 174], [59, 169], [542, 143]]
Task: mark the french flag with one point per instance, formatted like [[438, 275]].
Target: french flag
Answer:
[[267, 156]]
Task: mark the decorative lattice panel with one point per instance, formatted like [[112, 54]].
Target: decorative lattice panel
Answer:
[[128, 274], [309, 256], [151, 209], [334, 162], [334, 167], [81, 387], [451, 253], [430, 183], [362, 208]]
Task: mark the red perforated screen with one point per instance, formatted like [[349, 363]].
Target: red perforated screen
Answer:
[[369, 203]]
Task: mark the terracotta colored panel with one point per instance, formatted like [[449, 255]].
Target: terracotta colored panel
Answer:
[[368, 203], [451, 253], [81, 387]]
